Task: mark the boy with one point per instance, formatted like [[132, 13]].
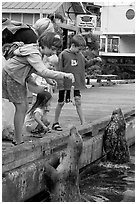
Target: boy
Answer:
[[72, 61], [27, 59]]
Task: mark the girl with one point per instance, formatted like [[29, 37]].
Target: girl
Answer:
[[27, 59], [36, 118]]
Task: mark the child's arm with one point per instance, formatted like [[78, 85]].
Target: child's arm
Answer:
[[92, 61], [36, 62], [37, 117]]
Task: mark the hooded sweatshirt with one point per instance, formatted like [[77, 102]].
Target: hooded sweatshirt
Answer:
[[74, 63], [28, 60]]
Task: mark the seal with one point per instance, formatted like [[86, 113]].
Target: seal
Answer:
[[114, 139], [65, 178]]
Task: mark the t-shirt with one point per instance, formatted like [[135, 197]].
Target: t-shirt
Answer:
[[74, 63], [30, 117]]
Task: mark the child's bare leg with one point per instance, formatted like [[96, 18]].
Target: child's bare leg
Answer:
[[20, 112], [58, 111], [79, 109]]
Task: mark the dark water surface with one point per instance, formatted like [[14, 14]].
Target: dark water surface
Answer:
[[104, 182], [107, 182]]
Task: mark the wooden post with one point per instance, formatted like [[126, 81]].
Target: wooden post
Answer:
[[65, 178], [114, 139]]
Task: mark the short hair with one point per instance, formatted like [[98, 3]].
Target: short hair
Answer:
[[78, 40], [43, 25], [50, 40], [52, 17]]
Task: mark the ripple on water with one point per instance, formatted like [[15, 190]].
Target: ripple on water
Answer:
[[108, 182]]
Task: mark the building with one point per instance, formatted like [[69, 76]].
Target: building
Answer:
[[78, 17], [30, 12], [117, 42]]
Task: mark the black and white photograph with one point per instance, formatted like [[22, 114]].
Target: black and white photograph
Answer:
[[68, 101]]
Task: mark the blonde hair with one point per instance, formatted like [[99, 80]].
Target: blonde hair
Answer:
[[43, 25]]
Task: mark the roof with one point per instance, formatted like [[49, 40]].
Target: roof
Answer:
[[30, 7], [78, 8]]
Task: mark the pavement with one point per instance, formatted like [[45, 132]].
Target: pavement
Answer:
[[97, 103]]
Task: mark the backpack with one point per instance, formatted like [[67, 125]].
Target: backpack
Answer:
[[9, 48]]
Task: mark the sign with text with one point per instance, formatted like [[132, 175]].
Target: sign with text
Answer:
[[86, 21]]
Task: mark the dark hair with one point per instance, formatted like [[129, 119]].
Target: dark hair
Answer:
[[52, 17], [41, 100], [50, 39], [78, 40]]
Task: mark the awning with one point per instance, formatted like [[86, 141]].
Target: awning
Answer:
[[30, 7]]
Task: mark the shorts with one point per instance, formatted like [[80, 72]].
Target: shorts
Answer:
[[64, 95], [12, 90]]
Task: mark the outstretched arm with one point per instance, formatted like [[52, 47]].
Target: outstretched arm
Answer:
[[43, 71], [92, 61]]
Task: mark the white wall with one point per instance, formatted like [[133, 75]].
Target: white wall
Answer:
[[114, 20]]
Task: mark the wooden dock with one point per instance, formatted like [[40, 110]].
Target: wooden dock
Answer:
[[23, 165]]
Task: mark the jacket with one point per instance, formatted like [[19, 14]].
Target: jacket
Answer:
[[28, 60]]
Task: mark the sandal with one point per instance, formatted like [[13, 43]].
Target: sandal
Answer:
[[49, 130], [38, 130], [56, 127]]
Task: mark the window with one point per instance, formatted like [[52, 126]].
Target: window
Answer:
[[5, 15], [28, 18], [113, 44], [102, 44], [130, 14], [16, 17], [110, 44]]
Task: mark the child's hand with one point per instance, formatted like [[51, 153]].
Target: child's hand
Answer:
[[51, 82], [54, 83], [70, 76], [98, 59], [45, 128]]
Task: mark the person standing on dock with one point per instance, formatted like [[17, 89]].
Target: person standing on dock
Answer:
[[27, 59], [73, 61]]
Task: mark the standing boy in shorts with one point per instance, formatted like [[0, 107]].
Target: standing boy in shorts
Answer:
[[27, 59], [72, 61]]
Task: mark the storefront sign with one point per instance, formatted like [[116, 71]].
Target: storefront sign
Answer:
[[86, 21]]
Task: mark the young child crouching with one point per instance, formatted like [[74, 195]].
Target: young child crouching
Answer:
[[36, 118]]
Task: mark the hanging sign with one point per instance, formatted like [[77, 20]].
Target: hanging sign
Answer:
[[86, 21]]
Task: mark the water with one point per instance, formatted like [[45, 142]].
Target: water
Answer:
[[104, 182], [107, 182]]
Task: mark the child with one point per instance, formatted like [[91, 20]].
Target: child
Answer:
[[72, 60], [18, 69], [36, 118]]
